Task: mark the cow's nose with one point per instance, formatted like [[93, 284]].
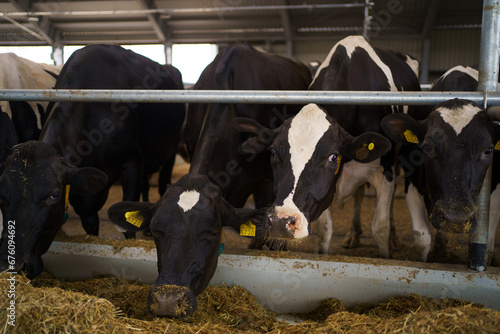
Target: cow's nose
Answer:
[[454, 218], [171, 301], [292, 223]]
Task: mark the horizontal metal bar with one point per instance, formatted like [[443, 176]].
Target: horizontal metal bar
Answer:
[[247, 96]]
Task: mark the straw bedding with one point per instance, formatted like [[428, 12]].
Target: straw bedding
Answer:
[[114, 305]]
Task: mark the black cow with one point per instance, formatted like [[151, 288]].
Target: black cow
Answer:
[[211, 139], [428, 189], [353, 64], [8, 136], [33, 198], [308, 154], [186, 224], [120, 139]]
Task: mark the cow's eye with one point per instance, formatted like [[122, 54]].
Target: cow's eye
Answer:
[[333, 158], [55, 195], [487, 152], [426, 148], [273, 152]]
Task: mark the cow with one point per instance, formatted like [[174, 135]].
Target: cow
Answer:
[[122, 140], [186, 224], [353, 64], [308, 154], [20, 73], [455, 131], [34, 185], [212, 141], [421, 193]]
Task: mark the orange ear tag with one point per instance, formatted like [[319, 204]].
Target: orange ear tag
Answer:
[[134, 217], [66, 197], [339, 159], [410, 137], [247, 229], [497, 146]]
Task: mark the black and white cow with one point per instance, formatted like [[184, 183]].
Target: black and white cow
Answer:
[[308, 153], [20, 73], [122, 140], [353, 64], [211, 139], [186, 224], [445, 158], [425, 181]]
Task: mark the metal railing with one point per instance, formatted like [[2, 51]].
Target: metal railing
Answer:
[[488, 77]]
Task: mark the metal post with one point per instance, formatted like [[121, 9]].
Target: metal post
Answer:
[[488, 82]]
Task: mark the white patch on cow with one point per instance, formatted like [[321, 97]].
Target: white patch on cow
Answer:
[[120, 229], [420, 223], [458, 118], [306, 130], [350, 44], [20, 73], [188, 199], [413, 63], [467, 70]]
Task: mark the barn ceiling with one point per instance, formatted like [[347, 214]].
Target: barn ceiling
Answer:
[[26, 22]]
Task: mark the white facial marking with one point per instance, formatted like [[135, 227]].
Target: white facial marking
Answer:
[[306, 130], [188, 199], [458, 118]]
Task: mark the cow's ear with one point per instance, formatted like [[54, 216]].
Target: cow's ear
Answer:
[[496, 137], [87, 180], [261, 142], [403, 129], [132, 216], [366, 147]]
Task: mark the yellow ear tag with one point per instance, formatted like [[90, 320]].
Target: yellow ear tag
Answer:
[[410, 137], [497, 146], [339, 159], [371, 146], [134, 217], [247, 229], [66, 197]]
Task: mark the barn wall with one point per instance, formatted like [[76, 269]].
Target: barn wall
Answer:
[[454, 47]]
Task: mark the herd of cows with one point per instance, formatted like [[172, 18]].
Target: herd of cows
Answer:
[[293, 159]]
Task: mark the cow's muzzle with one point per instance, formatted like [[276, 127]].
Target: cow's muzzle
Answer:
[[32, 266], [454, 217], [283, 227], [171, 301]]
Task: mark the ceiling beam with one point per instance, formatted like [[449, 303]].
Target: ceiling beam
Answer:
[[43, 26], [159, 25]]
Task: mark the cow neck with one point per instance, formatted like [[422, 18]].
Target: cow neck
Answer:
[[217, 132]]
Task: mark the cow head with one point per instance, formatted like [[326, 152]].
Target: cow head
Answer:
[[186, 224], [308, 152], [453, 146], [33, 200]]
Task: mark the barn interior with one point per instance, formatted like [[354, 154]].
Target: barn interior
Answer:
[[439, 33]]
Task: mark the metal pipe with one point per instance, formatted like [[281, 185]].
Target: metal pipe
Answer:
[[184, 10], [246, 96], [487, 82], [28, 30]]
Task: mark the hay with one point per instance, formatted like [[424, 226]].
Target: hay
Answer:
[[117, 244], [115, 305]]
